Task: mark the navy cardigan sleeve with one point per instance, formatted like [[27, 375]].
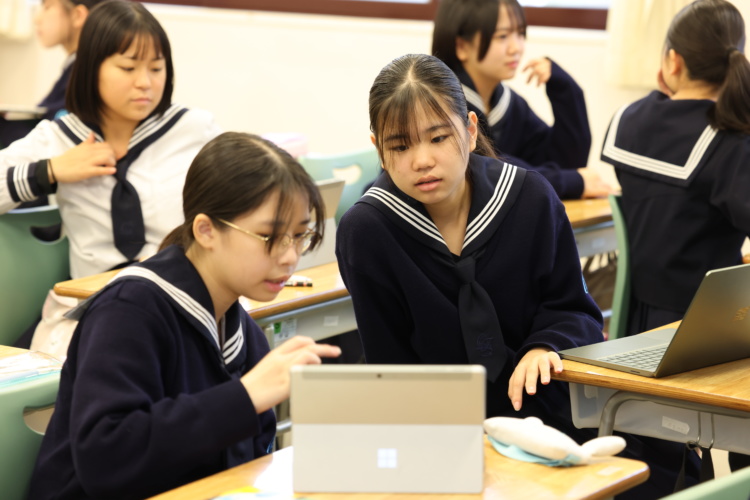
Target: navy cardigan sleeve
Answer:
[[568, 141], [129, 437]]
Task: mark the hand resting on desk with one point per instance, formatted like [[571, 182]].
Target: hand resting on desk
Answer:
[[534, 366]]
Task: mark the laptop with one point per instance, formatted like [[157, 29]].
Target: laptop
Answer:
[[330, 191], [715, 329], [388, 428]]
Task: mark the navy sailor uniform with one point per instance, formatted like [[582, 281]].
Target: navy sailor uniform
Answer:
[[522, 138], [407, 297], [148, 399], [159, 154], [406, 292], [685, 196]]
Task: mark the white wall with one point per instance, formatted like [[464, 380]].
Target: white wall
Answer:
[[267, 72]]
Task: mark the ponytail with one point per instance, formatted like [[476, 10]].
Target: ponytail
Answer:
[[732, 109], [178, 236], [710, 37], [484, 145]]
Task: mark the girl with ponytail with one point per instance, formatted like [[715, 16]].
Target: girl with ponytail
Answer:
[[168, 379], [682, 156]]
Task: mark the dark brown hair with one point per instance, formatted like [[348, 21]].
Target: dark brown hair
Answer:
[[235, 173], [111, 28], [464, 19], [412, 82], [710, 37], [89, 4]]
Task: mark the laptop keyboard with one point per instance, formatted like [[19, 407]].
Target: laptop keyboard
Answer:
[[645, 359]]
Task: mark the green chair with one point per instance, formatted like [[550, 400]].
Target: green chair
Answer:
[[29, 268], [20, 444], [618, 324], [735, 486], [357, 169]]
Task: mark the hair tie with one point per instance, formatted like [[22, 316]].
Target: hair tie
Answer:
[[732, 50]]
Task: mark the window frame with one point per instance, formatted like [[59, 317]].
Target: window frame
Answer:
[[535, 16]]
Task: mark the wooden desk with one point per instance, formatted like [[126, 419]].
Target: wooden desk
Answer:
[[592, 224], [586, 216], [503, 479], [320, 311], [325, 309], [711, 404], [7, 351]]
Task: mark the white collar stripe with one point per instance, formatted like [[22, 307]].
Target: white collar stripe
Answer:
[[404, 210], [233, 347], [497, 113], [188, 303], [153, 124], [474, 98], [490, 210], [507, 171], [657, 166], [79, 128], [407, 213]]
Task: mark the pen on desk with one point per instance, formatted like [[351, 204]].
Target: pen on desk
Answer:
[[298, 283], [296, 280]]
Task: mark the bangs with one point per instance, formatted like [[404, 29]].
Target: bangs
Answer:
[[399, 125], [516, 16], [143, 41], [294, 186]]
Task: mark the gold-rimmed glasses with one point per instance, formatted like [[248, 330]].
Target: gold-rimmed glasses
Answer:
[[302, 243]]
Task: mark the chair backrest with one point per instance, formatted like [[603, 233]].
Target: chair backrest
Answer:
[[357, 169], [621, 300], [28, 268], [735, 486], [20, 444]]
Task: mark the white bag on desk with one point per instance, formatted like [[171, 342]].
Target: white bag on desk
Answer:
[[54, 331]]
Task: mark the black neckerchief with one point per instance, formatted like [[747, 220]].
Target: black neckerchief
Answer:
[[495, 186]]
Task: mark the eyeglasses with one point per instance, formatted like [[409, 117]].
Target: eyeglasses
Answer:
[[302, 243]]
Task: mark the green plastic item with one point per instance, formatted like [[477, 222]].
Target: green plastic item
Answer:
[[735, 486], [20, 443], [357, 169], [618, 324], [29, 268]]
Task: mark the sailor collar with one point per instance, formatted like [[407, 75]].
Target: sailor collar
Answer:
[[146, 133], [175, 276], [647, 157], [494, 191], [499, 101]]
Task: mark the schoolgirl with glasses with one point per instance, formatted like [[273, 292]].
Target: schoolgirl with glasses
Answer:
[[168, 379]]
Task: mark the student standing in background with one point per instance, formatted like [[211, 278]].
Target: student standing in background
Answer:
[[482, 41], [682, 156], [58, 22]]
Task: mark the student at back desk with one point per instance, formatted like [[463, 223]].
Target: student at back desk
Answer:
[[483, 41], [58, 22], [682, 156], [118, 160]]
